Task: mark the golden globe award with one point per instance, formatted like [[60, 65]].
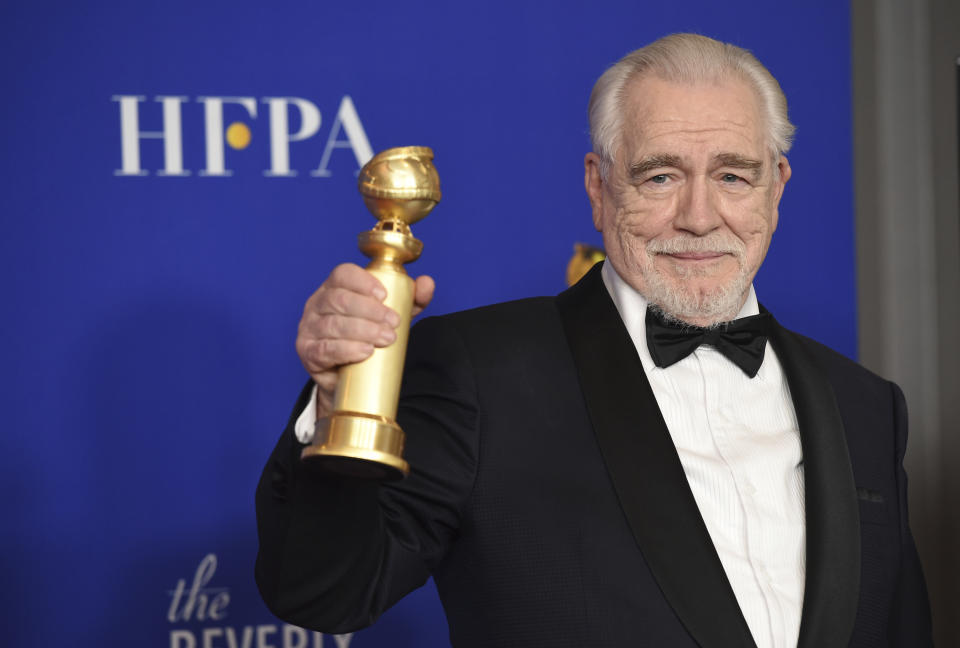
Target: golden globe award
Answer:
[[361, 437]]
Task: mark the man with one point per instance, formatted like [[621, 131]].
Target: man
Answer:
[[586, 473]]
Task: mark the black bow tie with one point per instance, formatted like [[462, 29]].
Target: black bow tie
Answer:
[[742, 341]]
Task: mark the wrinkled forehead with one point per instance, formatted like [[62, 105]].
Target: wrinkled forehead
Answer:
[[726, 108]]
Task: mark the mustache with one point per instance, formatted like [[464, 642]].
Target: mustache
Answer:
[[721, 243]]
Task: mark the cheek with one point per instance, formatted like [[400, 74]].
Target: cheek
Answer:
[[630, 229], [637, 217], [625, 236], [750, 220], [619, 239], [755, 230]]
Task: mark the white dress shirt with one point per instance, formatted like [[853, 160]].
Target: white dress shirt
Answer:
[[739, 446]]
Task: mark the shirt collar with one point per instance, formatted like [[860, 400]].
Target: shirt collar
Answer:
[[632, 307]]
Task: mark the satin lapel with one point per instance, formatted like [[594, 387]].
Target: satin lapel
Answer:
[[833, 522], [645, 469]]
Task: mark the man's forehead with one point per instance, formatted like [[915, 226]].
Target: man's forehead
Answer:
[[723, 115], [656, 99]]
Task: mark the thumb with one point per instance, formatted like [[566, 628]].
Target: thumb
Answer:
[[422, 293]]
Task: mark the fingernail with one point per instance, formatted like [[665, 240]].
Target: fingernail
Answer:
[[392, 318], [380, 293], [387, 336]]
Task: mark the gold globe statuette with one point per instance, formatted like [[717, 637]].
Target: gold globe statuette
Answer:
[[361, 437], [584, 257]]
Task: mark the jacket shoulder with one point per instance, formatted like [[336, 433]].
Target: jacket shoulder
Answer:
[[858, 391], [837, 364], [503, 312], [512, 322]]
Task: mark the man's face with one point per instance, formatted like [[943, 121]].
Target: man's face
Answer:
[[690, 203]]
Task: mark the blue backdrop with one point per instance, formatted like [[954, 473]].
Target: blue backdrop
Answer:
[[154, 268]]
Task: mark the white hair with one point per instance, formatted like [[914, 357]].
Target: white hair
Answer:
[[684, 58]]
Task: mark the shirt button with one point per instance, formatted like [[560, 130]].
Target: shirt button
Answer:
[[748, 489]]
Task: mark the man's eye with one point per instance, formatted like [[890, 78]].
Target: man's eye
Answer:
[[659, 179], [731, 178]]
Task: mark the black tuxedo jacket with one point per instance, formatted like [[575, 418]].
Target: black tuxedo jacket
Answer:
[[548, 501]]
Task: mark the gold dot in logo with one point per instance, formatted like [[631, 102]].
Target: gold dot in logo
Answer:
[[238, 135]]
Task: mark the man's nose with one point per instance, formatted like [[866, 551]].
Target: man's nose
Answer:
[[697, 212]]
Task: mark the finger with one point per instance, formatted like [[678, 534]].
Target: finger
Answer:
[[323, 355], [346, 279], [345, 302], [422, 293], [326, 382], [354, 278], [340, 327]]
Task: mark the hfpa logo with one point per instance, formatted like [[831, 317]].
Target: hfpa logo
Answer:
[[237, 135]]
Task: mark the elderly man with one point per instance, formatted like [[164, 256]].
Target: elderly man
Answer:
[[647, 459]]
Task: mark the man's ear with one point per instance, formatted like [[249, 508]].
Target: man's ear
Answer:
[[780, 181], [783, 166], [593, 182]]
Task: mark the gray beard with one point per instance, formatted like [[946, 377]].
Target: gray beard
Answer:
[[678, 302]]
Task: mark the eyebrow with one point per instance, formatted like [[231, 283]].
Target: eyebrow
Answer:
[[666, 160], [736, 161], [658, 161]]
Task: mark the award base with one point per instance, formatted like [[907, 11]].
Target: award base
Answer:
[[358, 445]]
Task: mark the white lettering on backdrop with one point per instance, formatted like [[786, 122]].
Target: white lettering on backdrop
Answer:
[[201, 603], [238, 134]]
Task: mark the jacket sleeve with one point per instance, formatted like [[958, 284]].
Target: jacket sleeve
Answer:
[[910, 624], [335, 552]]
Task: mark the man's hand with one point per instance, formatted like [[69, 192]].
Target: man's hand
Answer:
[[344, 321]]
